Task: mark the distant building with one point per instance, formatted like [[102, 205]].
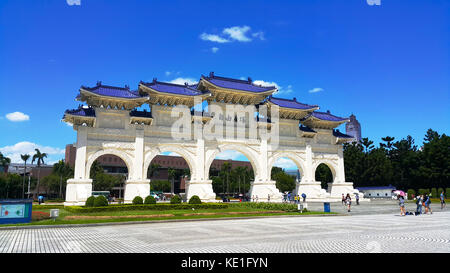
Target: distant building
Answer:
[[377, 192], [353, 128]]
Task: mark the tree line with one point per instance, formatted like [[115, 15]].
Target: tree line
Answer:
[[399, 163]]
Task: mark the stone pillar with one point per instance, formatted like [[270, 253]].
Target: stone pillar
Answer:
[[308, 184], [264, 187], [137, 184], [79, 188], [339, 186], [199, 184]]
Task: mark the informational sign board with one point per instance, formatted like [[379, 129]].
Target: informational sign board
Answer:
[[14, 211]]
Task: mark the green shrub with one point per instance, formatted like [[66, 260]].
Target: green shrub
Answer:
[[195, 200], [150, 200], [424, 191], [138, 200], [447, 192], [434, 193], [90, 201], [411, 192], [100, 201], [160, 206], [175, 200], [267, 206]]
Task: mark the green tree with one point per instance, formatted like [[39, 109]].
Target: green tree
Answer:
[[25, 158], [64, 171], [39, 157], [4, 162]]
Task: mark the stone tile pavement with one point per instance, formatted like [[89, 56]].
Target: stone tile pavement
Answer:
[[387, 232]]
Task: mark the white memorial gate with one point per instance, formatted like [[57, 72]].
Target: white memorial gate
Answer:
[[241, 116]]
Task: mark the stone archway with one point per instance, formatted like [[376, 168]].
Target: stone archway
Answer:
[[122, 155], [251, 155], [169, 148]]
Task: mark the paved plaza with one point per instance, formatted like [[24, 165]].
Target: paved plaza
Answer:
[[385, 232]]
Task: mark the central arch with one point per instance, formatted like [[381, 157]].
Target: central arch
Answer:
[[186, 155], [251, 155]]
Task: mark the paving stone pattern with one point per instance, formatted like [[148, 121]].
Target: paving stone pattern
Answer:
[[343, 234]]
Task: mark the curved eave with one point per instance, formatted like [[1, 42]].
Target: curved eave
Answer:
[[314, 122], [90, 93], [291, 113], [341, 140], [255, 93], [78, 120], [154, 91]]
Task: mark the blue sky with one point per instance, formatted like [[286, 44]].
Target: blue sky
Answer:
[[388, 64]]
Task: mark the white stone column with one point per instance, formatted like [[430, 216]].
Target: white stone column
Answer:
[[137, 184], [339, 186], [199, 184], [308, 184], [263, 186], [79, 188]]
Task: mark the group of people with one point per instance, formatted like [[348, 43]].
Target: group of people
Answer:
[[288, 197], [347, 201], [421, 201]]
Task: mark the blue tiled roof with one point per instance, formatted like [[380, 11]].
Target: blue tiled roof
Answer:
[[245, 85], [294, 104], [83, 112], [325, 116], [172, 88], [306, 129], [112, 91], [336, 133], [141, 114]]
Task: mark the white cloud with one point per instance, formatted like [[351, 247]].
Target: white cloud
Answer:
[[281, 89], [213, 38], [233, 155], [214, 49], [238, 33], [26, 147], [168, 73], [74, 2], [170, 154], [285, 163], [184, 80], [17, 116], [259, 35], [315, 90]]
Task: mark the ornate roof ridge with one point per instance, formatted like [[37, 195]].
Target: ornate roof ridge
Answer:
[[249, 81], [291, 100], [170, 84]]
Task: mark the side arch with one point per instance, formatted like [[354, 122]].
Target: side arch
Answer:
[[251, 155], [330, 164], [124, 156]]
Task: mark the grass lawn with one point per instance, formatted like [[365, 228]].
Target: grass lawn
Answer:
[[66, 217]]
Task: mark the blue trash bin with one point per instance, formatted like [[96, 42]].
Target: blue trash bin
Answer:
[[326, 207]]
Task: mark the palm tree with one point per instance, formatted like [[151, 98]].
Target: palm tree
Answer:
[[226, 168], [39, 157], [24, 157], [171, 174], [61, 169]]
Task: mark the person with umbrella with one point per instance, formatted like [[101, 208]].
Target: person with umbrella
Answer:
[[401, 203]]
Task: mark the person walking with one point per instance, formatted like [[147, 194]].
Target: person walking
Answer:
[[427, 204], [401, 203], [343, 200], [357, 199], [419, 205], [268, 198], [442, 197], [304, 197], [348, 202]]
